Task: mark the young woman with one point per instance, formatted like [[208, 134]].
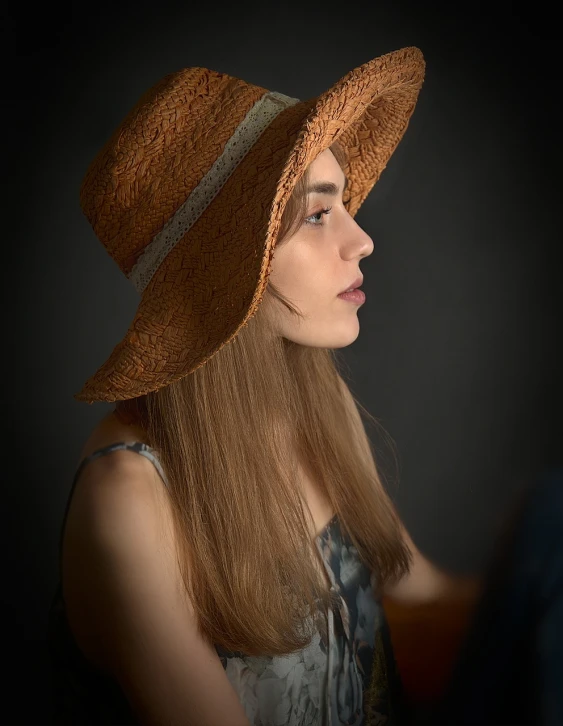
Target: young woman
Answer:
[[228, 538]]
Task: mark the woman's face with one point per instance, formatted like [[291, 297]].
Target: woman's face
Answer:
[[321, 260]]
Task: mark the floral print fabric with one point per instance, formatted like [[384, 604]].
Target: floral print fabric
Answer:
[[324, 684]]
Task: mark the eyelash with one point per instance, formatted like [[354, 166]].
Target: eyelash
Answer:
[[321, 211]]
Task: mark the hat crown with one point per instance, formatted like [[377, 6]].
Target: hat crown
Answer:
[[161, 154]]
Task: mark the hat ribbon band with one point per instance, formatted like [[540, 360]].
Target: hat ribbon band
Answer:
[[258, 118]]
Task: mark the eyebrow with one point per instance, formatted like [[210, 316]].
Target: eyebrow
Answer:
[[326, 187]]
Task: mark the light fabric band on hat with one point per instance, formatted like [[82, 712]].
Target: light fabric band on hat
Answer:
[[244, 137]]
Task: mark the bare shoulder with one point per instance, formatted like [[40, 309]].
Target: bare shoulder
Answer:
[[115, 490], [119, 514], [117, 484]]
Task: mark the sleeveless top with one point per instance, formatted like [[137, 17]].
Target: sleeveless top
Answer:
[[324, 684]]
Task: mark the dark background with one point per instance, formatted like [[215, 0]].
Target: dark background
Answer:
[[458, 354]]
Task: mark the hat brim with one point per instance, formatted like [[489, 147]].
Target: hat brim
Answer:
[[213, 280]]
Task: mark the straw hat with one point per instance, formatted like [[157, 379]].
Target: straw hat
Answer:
[[188, 193]]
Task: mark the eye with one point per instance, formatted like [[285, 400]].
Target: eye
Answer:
[[315, 220]]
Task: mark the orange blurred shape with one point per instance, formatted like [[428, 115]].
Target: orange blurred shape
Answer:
[[426, 640]]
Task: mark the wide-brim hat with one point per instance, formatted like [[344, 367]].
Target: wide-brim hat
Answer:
[[187, 197]]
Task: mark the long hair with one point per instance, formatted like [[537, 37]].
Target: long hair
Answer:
[[230, 436]]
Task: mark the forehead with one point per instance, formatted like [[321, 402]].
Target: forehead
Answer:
[[324, 162], [326, 175]]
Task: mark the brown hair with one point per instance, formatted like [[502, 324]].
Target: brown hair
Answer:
[[229, 436]]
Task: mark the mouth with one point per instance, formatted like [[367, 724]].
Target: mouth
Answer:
[[353, 286]]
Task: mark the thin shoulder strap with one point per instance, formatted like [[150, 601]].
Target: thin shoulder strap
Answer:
[[138, 446]]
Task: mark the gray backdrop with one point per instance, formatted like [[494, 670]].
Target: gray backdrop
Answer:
[[458, 354]]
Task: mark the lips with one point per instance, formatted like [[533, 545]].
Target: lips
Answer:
[[355, 284]]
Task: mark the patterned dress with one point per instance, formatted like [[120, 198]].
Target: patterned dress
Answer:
[[346, 675]]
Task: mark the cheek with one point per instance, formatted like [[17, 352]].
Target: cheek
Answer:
[[304, 272]]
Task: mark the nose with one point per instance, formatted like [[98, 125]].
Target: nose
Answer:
[[362, 241]]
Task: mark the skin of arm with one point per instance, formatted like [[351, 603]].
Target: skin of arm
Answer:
[[426, 583]]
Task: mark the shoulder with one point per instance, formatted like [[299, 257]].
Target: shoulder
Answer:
[[116, 497], [118, 490], [120, 484], [119, 526]]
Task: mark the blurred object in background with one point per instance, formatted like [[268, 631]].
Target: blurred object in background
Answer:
[[500, 662]]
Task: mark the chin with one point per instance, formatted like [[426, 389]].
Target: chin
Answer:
[[325, 336], [348, 341], [331, 341]]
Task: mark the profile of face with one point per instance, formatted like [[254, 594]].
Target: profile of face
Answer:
[[318, 262]]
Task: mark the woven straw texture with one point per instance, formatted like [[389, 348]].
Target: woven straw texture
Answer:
[[213, 280]]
